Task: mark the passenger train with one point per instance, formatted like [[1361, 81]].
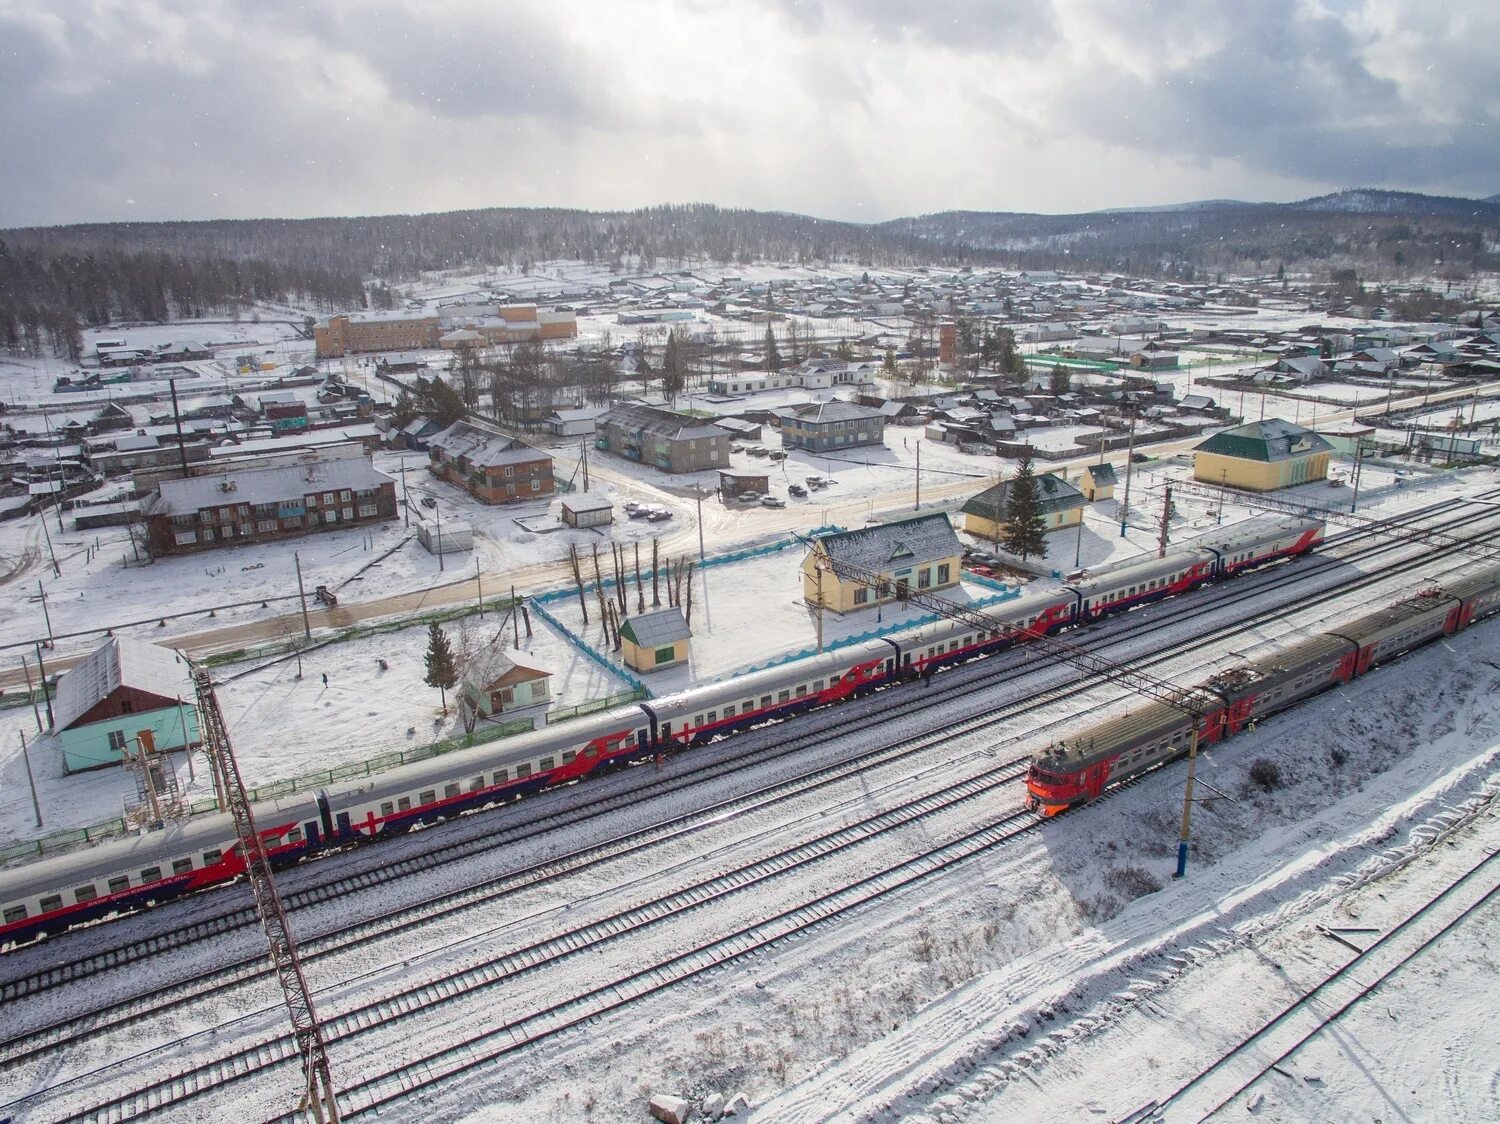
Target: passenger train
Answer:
[[1075, 770], [53, 894]]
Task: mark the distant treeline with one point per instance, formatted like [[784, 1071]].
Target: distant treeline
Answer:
[[399, 247], [47, 294]]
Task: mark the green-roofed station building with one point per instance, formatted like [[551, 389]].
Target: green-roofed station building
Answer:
[[1262, 456]]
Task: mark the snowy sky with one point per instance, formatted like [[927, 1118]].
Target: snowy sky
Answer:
[[851, 109]]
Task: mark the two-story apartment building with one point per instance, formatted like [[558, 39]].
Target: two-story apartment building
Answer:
[[824, 426], [671, 442], [491, 466], [259, 504]]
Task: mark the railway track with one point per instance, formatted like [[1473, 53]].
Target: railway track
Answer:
[[1316, 1009], [474, 980], [133, 1010], [41, 1040]]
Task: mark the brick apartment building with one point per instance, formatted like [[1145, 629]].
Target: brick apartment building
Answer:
[[491, 466], [262, 504], [483, 325]]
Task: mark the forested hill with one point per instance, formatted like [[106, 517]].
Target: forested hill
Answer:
[[396, 247], [1390, 232]]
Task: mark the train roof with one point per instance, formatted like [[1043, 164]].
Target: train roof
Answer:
[[1473, 583], [1256, 531], [1134, 573], [1144, 723], [1394, 618]]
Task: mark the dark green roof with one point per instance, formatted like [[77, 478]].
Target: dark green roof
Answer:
[[1269, 440], [1053, 494]]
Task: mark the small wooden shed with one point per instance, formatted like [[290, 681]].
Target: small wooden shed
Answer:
[[654, 640], [587, 511], [732, 484], [1097, 482]]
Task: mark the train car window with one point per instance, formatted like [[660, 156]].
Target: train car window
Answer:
[[523, 770], [817, 686], [478, 782], [151, 874], [212, 856], [569, 757], [428, 797], [84, 894], [450, 791], [729, 710], [15, 913], [119, 884], [765, 700], [387, 809], [546, 763], [713, 716], [294, 836], [50, 902], [697, 720], [783, 696], [403, 803], [801, 691], [182, 866]]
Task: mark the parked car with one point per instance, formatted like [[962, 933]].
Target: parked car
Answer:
[[631, 507], [776, 455], [659, 515], [749, 497], [757, 451], [428, 501], [796, 490], [772, 501]]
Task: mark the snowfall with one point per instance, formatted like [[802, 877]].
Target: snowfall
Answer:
[[1065, 976]]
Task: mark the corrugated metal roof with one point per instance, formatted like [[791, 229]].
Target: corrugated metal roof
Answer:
[[1269, 440], [267, 485], [485, 448], [894, 546], [663, 423], [121, 662], [1053, 494], [658, 627]]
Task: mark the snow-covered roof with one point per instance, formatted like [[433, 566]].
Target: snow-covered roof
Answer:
[[588, 503], [121, 662], [660, 626], [894, 546], [484, 448], [267, 485]]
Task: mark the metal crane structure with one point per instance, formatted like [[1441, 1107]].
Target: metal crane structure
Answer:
[[318, 1101], [1419, 535], [1196, 702]]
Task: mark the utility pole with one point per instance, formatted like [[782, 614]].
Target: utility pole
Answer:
[[698, 495], [47, 534], [438, 512], [918, 505], [479, 587], [1166, 514], [318, 1099], [405, 496], [177, 418], [1129, 470], [1187, 804], [41, 673], [1359, 464], [46, 616], [1078, 548], [302, 596], [30, 780]]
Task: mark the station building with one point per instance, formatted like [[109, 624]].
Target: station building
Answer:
[[921, 553], [1262, 456]]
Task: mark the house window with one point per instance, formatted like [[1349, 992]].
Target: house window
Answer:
[[368, 511], [117, 741], [665, 655], [924, 578], [330, 516], [265, 526], [862, 596], [183, 538], [345, 496], [245, 529], [944, 570], [348, 513], [327, 499]]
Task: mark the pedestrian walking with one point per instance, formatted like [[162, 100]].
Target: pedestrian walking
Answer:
[[325, 679]]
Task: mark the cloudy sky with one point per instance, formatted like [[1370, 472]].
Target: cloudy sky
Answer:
[[851, 109]]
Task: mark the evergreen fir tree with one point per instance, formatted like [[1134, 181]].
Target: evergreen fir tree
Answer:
[[773, 357], [1025, 532], [442, 669], [1059, 381], [672, 375]]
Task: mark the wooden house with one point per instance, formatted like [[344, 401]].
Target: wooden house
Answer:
[[109, 697], [654, 640]]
